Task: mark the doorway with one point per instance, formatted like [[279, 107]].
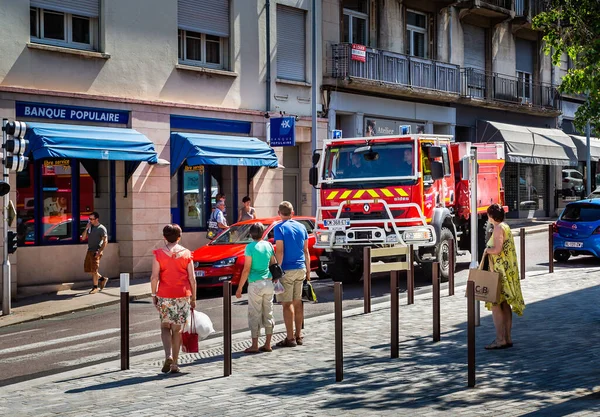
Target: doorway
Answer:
[[291, 177]]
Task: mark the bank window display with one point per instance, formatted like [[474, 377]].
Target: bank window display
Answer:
[[56, 196], [62, 29], [198, 189]]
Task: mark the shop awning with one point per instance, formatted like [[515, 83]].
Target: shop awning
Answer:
[[580, 143], [530, 145], [202, 149], [89, 142]]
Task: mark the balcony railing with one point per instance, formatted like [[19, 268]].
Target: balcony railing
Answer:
[[503, 88], [529, 8], [505, 4], [396, 69]]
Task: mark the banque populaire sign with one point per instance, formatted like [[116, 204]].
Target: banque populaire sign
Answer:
[[72, 113]]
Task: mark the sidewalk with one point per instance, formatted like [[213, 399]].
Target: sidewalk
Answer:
[[68, 301], [552, 370]]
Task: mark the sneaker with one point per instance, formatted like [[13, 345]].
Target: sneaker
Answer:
[[94, 290], [103, 282]]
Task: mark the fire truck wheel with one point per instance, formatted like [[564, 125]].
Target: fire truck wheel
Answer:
[[344, 271], [442, 255]]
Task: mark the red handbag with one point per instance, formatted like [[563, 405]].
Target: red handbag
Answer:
[[189, 339]]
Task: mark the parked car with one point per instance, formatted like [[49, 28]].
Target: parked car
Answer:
[[577, 230], [223, 259], [594, 194], [572, 182]]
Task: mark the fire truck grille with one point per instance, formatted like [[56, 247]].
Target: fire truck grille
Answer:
[[375, 215]]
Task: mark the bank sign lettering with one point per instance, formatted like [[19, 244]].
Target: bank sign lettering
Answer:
[[80, 114], [283, 131]]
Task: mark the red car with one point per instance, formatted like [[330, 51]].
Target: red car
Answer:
[[223, 259]]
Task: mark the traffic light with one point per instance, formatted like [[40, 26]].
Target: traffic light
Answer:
[[11, 241], [15, 146]]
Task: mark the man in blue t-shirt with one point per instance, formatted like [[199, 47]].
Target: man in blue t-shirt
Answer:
[[291, 251]]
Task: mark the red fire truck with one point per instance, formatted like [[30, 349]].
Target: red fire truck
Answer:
[[389, 190]]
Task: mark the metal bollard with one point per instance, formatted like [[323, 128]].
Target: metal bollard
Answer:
[[410, 277], [471, 333], [394, 301], [124, 280], [522, 239], [367, 279], [435, 281], [451, 267], [550, 248], [339, 341], [227, 328]]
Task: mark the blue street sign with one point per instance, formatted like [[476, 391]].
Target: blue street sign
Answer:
[[283, 131], [336, 134], [60, 112]]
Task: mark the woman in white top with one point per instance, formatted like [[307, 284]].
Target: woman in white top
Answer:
[[247, 212]]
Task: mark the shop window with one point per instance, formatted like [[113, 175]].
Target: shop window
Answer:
[[532, 186], [55, 194], [62, 29], [356, 17], [416, 34], [198, 190], [200, 49]]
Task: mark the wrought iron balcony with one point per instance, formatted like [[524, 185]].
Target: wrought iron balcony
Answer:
[[497, 10], [395, 68], [477, 84], [529, 8]]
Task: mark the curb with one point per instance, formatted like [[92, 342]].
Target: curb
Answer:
[[530, 230]]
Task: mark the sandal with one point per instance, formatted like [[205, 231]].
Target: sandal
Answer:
[[495, 345], [299, 341], [286, 343], [175, 369], [167, 365], [250, 351], [265, 349]]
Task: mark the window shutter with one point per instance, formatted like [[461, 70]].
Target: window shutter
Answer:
[[525, 52], [474, 41], [205, 16], [89, 8], [291, 43]]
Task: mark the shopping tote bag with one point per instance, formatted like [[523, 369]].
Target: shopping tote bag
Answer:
[[189, 336], [487, 284]]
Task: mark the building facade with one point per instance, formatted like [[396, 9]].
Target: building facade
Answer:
[[473, 68], [143, 111]]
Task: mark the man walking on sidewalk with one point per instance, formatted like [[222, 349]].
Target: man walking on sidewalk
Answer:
[[291, 240], [97, 239]]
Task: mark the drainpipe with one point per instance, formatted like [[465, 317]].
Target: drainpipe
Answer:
[[268, 28], [450, 34]]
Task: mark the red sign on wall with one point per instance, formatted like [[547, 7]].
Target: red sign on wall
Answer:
[[359, 52]]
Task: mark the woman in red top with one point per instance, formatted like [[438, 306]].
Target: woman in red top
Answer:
[[173, 292]]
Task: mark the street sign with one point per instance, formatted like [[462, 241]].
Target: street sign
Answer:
[[283, 131]]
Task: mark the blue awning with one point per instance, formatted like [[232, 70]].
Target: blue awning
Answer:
[[89, 142], [201, 149]]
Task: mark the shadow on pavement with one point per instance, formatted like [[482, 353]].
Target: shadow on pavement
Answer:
[[125, 382]]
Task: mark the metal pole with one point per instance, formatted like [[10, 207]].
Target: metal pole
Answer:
[[471, 333], [124, 280], [410, 277], [367, 279], [435, 281], [5, 261], [474, 222], [522, 238], [339, 340], [451, 266], [227, 328], [551, 248], [395, 330], [588, 160], [314, 88]]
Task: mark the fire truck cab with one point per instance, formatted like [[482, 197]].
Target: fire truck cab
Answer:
[[407, 190]]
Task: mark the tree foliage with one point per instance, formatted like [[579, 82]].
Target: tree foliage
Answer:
[[573, 27]]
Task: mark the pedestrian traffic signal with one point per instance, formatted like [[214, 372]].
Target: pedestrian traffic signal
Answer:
[[4, 188], [15, 146], [11, 241]]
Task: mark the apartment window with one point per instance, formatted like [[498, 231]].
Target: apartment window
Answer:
[[291, 43], [416, 34], [356, 18], [524, 84], [203, 32], [62, 29], [525, 63]]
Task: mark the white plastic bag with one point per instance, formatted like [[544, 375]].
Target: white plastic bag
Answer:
[[202, 323], [278, 288]]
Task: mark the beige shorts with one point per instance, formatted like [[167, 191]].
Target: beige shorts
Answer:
[[292, 283]]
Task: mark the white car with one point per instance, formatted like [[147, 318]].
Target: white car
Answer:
[[572, 180], [594, 194]]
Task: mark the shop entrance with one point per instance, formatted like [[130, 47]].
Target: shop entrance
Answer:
[[291, 177]]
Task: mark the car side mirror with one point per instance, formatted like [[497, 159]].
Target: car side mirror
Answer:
[[315, 158], [437, 170], [465, 168], [313, 176], [434, 152]]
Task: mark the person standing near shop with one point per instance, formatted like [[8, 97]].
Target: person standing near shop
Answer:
[[247, 212], [291, 251], [97, 238]]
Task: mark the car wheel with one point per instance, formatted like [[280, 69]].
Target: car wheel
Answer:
[[344, 271], [562, 255], [322, 272]]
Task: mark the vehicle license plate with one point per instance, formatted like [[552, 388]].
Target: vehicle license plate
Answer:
[[573, 244], [199, 274], [336, 223]]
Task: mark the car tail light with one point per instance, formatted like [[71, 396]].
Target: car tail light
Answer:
[[597, 231], [555, 228], [566, 180]]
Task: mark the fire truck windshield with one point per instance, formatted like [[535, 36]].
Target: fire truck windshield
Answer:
[[376, 161]]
